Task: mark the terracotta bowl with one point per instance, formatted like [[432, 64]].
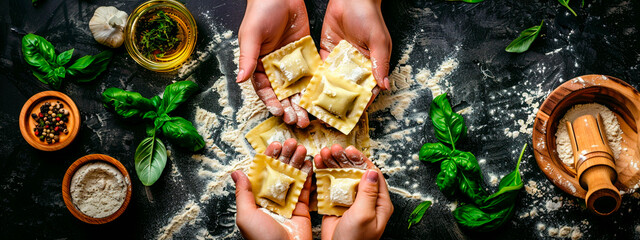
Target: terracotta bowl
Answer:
[[27, 123], [622, 99], [66, 184]]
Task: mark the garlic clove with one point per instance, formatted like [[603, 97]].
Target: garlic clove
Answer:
[[107, 26]]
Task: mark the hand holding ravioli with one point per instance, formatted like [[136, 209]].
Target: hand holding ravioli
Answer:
[[369, 211], [284, 186], [267, 26]]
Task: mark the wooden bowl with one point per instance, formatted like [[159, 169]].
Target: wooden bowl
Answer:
[[622, 99], [27, 123], [66, 184]]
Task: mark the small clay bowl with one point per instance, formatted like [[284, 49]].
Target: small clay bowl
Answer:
[[66, 185], [33, 105], [621, 98]]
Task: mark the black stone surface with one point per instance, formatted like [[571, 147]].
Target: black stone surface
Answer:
[[602, 39]]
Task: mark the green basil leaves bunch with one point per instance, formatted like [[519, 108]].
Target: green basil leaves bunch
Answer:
[[151, 154], [460, 174], [50, 68]]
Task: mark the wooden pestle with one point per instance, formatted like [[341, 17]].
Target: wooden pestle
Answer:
[[595, 165]]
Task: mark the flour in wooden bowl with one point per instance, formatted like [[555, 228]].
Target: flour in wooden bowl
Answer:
[[98, 189], [611, 125]]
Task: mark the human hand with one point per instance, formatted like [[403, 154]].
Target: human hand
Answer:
[[360, 22], [253, 222], [372, 208], [267, 26]]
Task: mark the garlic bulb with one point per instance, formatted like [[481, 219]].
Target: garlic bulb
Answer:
[[107, 26]]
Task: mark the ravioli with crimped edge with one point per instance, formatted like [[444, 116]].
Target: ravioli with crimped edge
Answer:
[[341, 88], [337, 188], [276, 186], [291, 67]]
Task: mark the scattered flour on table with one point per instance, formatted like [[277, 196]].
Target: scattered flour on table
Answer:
[[188, 215], [610, 122]]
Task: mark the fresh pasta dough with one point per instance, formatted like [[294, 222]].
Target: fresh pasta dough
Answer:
[[291, 67], [341, 88], [276, 185], [274, 129], [337, 188]]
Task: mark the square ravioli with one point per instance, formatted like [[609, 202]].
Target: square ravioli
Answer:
[[276, 185], [274, 129], [337, 189], [291, 67], [348, 62], [336, 101]]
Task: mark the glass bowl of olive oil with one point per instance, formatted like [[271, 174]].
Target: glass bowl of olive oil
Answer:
[[160, 35]]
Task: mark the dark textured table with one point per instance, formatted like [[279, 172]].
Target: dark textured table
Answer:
[[500, 88]]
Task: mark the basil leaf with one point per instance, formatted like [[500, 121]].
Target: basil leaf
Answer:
[[159, 121], [126, 104], [418, 212], [64, 57], [523, 42], [434, 152], [467, 162], [156, 101], [53, 80], [474, 218], [469, 186], [175, 94], [565, 3], [47, 49], [35, 56], [181, 132], [447, 178], [449, 126], [151, 115], [41, 77], [88, 68], [150, 160], [508, 189]]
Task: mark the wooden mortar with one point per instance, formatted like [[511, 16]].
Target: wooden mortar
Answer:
[[622, 99]]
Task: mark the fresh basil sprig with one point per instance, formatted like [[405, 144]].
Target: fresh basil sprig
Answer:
[[50, 69], [151, 157], [460, 174], [523, 42], [496, 209], [418, 212], [565, 3]]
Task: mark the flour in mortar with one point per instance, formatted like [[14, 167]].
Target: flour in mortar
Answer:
[[612, 130]]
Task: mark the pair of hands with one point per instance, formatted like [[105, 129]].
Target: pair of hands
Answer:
[[365, 219], [271, 24]]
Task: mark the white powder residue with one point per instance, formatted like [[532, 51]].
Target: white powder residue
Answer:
[[188, 215], [406, 194], [552, 205], [610, 122], [568, 232]]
